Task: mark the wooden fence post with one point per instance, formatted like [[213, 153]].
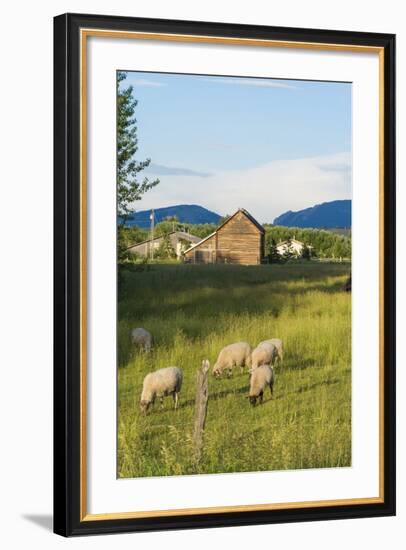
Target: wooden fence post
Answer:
[[202, 395]]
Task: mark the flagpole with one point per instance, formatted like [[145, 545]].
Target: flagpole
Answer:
[[151, 217]]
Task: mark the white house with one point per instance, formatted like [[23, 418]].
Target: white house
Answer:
[[294, 246]]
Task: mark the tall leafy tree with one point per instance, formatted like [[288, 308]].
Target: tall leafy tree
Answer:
[[306, 252], [288, 254], [166, 250], [274, 256], [130, 187]]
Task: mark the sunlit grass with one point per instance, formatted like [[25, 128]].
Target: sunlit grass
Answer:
[[193, 311]]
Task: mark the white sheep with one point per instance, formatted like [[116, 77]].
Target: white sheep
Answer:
[[162, 382], [263, 354], [141, 338], [277, 342], [233, 355], [261, 377]]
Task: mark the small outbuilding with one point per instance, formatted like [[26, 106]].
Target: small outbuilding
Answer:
[[180, 240], [238, 240]]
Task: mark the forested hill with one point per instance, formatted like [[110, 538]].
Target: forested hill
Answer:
[[326, 215], [184, 213]]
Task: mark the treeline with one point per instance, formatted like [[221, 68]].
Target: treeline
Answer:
[[199, 229], [325, 244]]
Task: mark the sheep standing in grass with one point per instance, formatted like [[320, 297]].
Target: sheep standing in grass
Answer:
[[141, 338], [233, 355], [162, 382], [261, 377], [277, 342], [264, 354]]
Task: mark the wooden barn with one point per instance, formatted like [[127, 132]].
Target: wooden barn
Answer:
[[239, 240]]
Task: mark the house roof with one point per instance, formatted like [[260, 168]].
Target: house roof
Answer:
[[186, 236], [291, 240], [281, 243], [245, 212], [182, 235]]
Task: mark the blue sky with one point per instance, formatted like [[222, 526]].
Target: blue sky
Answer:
[[227, 142]]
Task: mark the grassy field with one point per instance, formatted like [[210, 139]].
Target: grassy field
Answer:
[[193, 311]]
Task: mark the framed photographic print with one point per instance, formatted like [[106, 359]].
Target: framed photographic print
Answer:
[[224, 274]]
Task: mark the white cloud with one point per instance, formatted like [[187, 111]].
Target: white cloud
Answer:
[[255, 82], [143, 82], [265, 191], [162, 170]]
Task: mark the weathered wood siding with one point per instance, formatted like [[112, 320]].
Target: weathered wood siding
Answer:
[[204, 253], [238, 241]]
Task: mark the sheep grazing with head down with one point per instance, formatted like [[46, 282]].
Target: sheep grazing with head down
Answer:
[[261, 377], [264, 354], [277, 342], [233, 355], [141, 338], [160, 383]]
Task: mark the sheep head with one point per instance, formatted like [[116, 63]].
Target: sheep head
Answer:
[[216, 371], [144, 406]]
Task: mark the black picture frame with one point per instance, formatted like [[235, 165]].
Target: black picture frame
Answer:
[[67, 289]]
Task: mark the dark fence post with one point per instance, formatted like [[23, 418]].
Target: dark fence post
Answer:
[[202, 395]]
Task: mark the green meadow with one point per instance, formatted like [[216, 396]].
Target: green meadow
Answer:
[[193, 312]]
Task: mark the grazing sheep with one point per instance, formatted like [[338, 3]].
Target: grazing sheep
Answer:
[[263, 354], [162, 382], [277, 342], [141, 338], [261, 377], [233, 355]]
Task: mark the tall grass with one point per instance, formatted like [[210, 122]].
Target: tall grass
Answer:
[[193, 311]]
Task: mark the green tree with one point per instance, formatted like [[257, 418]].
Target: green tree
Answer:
[[288, 254], [166, 226], [133, 234], [274, 256], [199, 230], [129, 187], [306, 253], [165, 250], [223, 219], [321, 240]]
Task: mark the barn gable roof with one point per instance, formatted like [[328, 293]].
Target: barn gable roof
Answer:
[[245, 212], [247, 215]]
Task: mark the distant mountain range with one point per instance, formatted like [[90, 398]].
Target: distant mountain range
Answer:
[[327, 215], [185, 213]]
